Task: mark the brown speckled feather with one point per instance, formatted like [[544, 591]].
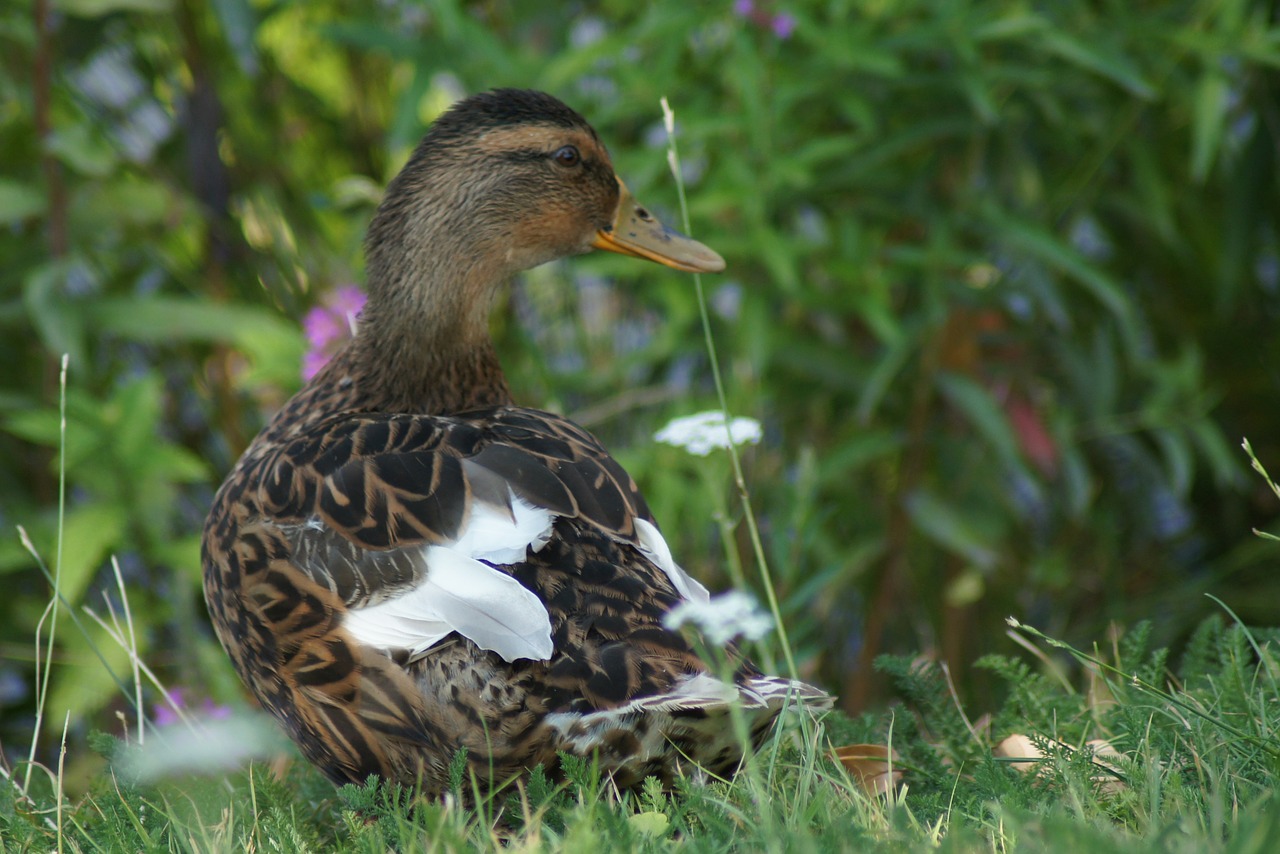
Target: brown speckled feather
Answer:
[[403, 564]]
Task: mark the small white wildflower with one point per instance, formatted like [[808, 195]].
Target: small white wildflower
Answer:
[[702, 433], [723, 618]]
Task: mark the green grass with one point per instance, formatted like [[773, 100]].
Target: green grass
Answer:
[[1196, 771]]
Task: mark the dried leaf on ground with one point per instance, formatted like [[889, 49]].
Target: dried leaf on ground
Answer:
[[875, 767], [1022, 747]]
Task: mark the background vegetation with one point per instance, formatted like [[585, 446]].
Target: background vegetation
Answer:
[[1003, 281]]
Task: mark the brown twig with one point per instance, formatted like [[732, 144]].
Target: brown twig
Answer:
[[896, 568], [42, 97], [211, 184]]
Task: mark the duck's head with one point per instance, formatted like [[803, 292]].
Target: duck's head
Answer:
[[502, 182], [507, 180]]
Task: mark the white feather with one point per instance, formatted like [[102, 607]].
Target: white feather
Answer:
[[502, 536], [655, 548], [765, 694], [463, 595], [699, 690]]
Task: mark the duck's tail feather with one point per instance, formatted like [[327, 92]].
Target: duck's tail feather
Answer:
[[665, 734]]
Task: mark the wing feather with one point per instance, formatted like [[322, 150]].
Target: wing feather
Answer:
[[463, 595], [405, 517]]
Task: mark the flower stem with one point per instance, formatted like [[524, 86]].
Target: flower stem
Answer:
[[766, 579]]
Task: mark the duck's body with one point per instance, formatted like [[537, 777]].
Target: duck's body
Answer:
[[405, 564]]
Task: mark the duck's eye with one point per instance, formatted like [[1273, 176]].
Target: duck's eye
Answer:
[[567, 156]]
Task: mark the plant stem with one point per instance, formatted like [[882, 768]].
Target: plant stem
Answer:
[[42, 676], [740, 482]]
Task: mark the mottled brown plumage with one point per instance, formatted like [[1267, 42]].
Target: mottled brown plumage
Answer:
[[404, 563]]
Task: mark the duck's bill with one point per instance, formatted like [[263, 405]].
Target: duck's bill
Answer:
[[634, 231]]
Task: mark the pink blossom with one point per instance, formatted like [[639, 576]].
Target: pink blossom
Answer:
[[328, 325]]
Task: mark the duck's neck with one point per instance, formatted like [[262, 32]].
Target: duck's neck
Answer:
[[423, 343], [435, 261], [390, 376]]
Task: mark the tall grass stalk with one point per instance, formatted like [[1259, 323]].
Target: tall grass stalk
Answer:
[[122, 636], [1258, 467], [740, 482], [51, 611], [59, 791], [135, 659]]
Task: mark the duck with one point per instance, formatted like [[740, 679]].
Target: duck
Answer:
[[405, 566]]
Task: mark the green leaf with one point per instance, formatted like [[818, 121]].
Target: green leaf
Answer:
[[84, 684], [1058, 255], [956, 530], [38, 426], [137, 405], [181, 553], [239, 22], [273, 345], [158, 319], [886, 369], [57, 320], [19, 201], [179, 465], [1114, 67], [99, 8], [1222, 458], [1078, 483], [965, 589], [41, 426], [651, 823], [1011, 27], [850, 457], [89, 534], [982, 411], [1208, 121], [83, 150], [122, 201], [1176, 451]]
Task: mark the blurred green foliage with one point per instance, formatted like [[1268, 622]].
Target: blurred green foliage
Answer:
[[1003, 281]]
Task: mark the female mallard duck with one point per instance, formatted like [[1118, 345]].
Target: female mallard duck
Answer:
[[405, 564]]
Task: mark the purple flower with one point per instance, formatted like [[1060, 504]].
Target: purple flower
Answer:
[[781, 24], [329, 325], [167, 713], [784, 24], [213, 711]]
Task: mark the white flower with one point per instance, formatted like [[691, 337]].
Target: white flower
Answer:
[[702, 433], [207, 745], [723, 618]]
